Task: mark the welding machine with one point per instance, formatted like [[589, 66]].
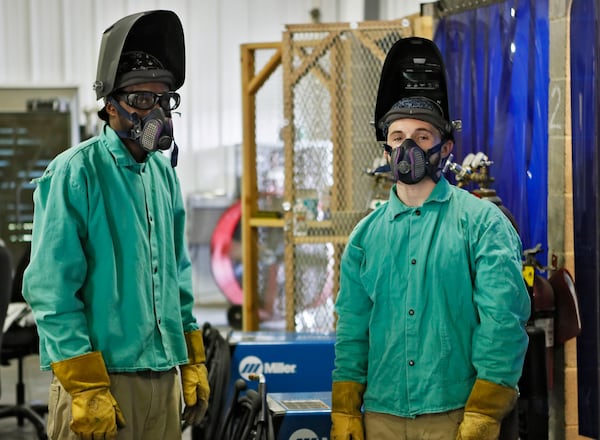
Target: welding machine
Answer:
[[300, 416], [290, 362], [296, 368]]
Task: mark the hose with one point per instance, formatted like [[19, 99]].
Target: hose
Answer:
[[218, 364]]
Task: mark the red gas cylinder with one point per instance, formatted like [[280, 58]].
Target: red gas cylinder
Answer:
[[543, 308]]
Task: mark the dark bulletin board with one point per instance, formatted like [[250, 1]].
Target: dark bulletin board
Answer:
[[28, 142]]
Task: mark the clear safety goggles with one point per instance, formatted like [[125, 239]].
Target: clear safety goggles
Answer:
[[141, 100]]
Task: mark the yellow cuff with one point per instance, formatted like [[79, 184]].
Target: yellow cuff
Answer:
[[195, 347], [491, 399], [346, 397]]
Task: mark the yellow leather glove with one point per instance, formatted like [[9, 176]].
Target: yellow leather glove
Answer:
[[346, 417], [194, 380], [488, 404], [95, 411]]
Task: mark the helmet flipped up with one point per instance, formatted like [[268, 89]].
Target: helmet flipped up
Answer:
[[413, 68], [157, 33]]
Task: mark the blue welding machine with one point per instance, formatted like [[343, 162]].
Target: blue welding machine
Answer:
[[290, 362], [301, 416], [297, 370]]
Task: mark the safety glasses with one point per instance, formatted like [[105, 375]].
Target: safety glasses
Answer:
[[147, 100]]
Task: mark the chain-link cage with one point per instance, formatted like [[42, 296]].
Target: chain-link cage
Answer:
[[331, 75], [309, 148]]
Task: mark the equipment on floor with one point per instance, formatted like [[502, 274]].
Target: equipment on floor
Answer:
[[297, 369], [248, 417], [218, 361], [301, 416], [258, 415]]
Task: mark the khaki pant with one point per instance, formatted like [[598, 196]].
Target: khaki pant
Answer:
[[150, 403], [442, 426]]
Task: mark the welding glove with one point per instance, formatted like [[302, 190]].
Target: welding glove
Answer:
[[487, 405], [194, 379], [346, 416], [95, 412]]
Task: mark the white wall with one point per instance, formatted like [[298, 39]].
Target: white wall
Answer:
[[392, 9], [54, 43]]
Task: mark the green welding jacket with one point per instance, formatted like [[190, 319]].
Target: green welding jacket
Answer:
[[110, 269], [431, 298]]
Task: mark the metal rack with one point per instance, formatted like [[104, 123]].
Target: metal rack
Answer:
[[329, 75]]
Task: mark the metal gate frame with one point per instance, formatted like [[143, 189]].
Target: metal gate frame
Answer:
[[299, 57]]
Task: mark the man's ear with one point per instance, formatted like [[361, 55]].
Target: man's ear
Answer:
[[110, 108], [447, 148]]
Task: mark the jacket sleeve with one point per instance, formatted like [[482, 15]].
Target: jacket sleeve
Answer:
[[501, 299], [352, 308], [58, 266], [184, 264]]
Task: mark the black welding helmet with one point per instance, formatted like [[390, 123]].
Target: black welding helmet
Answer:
[[413, 85], [159, 34]]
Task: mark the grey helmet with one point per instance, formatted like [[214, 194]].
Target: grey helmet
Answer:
[[159, 34]]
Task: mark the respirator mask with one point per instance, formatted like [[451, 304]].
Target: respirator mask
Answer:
[[152, 132], [409, 163], [155, 130]]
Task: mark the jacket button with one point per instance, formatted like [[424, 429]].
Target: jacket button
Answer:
[[411, 363]]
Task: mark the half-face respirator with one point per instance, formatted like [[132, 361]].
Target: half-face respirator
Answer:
[[410, 164], [152, 132]]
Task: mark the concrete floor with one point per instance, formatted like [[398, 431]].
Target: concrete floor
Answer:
[[37, 382]]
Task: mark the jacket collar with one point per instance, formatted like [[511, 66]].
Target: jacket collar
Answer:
[[441, 193], [117, 148]]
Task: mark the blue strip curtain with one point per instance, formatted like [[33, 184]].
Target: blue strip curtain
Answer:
[[497, 64], [585, 120]]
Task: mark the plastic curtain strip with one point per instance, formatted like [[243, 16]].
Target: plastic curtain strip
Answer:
[[585, 100], [497, 62]]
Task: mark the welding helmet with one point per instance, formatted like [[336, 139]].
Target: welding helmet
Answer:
[[413, 85], [159, 34]]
